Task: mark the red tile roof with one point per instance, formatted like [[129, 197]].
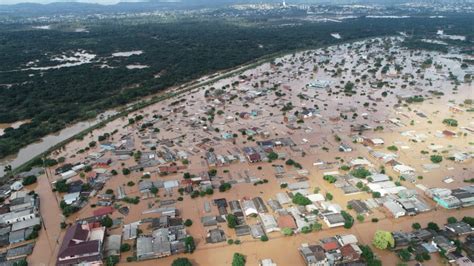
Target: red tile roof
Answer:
[[103, 211], [330, 245]]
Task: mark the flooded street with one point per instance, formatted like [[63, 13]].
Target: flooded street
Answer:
[[47, 245], [294, 101]]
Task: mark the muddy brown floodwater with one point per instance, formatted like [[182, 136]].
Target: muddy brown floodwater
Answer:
[[47, 245], [314, 142], [26, 153]]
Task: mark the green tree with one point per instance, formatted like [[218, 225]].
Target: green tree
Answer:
[[112, 260], [404, 254], [287, 231], [416, 226], [181, 262], [22, 262], [360, 172], [436, 158], [272, 156], [61, 186], [348, 219], [225, 186], [107, 222], [452, 220], [238, 260], [125, 247], [188, 222], [433, 226], [383, 240], [231, 220], [29, 180], [329, 196], [306, 230], [450, 122], [125, 171], [469, 220], [189, 244], [301, 200]]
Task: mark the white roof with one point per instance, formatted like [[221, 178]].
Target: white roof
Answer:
[[379, 178], [25, 224], [315, 197], [268, 221], [78, 167], [249, 207], [394, 208], [378, 141], [171, 184], [360, 162], [347, 239], [401, 168], [71, 197], [68, 174], [283, 198]]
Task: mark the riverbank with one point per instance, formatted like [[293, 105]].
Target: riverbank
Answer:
[[152, 99]]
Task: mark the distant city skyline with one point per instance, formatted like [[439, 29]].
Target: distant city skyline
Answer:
[[102, 2]]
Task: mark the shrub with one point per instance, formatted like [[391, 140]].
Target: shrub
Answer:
[[29, 180], [181, 262], [224, 187], [392, 148], [360, 172], [450, 122], [383, 240], [238, 260], [329, 196], [125, 247], [436, 158], [348, 219], [231, 220], [331, 179], [301, 200], [125, 171], [107, 221], [287, 231], [404, 255], [452, 220], [416, 226], [433, 226], [188, 222]]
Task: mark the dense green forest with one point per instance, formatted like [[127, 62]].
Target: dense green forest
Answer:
[[178, 50]]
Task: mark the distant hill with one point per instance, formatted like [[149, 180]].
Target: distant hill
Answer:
[[80, 7]]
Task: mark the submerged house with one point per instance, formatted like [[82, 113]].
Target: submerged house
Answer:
[[82, 243]]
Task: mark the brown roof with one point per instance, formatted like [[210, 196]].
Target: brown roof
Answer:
[[253, 157], [286, 221], [103, 211], [449, 133], [75, 244], [349, 253]]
